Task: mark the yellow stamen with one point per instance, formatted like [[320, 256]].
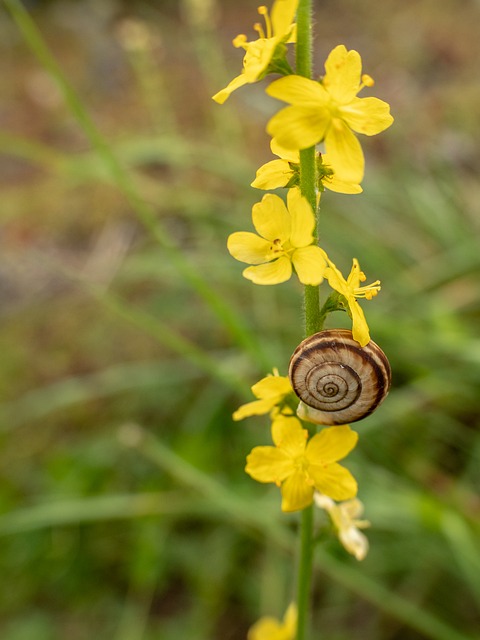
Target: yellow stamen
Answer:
[[368, 292], [367, 81], [259, 29], [263, 11], [240, 40]]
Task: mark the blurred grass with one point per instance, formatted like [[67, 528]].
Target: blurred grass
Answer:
[[120, 307]]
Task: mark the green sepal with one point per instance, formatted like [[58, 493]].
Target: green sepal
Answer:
[[323, 172], [295, 179], [335, 302]]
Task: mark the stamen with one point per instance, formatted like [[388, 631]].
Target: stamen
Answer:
[[263, 11], [367, 80], [240, 40], [368, 292], [259, 29], [276, 246]]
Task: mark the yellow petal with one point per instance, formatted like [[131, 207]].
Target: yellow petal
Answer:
[[299, 127], [336, 182], [283, 14], [288, 433], [309, 263], [257, 58], [271, 218], [302, 219], [272, 175], [292, 36], [367, 115], [360, 329], [267, 628], [255, 408], [330, 445], [335, 279], [344, 151], [271, 273], [298, 90], [285, 154], [296, 492], [290, 621], [237, 82], [272, 387], [353, 280], [340, 186], [268, 464], [248, 247], [342, 79], [334, 481]]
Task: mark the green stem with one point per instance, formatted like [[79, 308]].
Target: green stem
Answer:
[[305, 572], [313, 318], [303, 51]]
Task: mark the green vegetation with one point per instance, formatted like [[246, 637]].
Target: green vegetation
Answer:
[[126, 342]]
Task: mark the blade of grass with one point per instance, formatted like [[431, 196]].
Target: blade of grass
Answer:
[[41, 402], [75, 511], [464, 549], [171, 339]]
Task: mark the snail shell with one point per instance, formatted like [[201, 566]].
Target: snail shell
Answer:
[[337, 380]]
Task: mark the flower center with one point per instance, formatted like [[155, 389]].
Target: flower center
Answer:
[[301, 464], [277, 248]]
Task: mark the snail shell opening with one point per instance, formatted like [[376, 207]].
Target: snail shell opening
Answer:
[[337, 380]]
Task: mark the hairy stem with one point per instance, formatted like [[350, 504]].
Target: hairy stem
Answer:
[[313, 318]]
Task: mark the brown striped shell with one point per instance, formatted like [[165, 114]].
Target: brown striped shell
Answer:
[[337, 380]]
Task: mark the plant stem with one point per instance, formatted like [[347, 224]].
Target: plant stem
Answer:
[[305, 572], [313, 318]]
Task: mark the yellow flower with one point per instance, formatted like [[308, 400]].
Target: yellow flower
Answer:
[[330, 111], [351, 290], [285, 172], [300, 467], [268, 628], [285, 237], [270, 391], [344, 518], [267, 53]]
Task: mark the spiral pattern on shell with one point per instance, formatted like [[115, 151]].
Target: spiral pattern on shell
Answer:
[[338, 380]]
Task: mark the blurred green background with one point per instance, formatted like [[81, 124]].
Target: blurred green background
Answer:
[[128, 335]]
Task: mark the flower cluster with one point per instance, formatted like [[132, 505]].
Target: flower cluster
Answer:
[[326, 115], [327, 112]]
